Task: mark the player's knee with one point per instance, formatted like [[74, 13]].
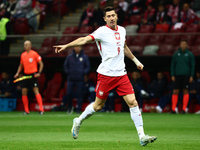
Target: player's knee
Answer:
[[98, 108], [132, 103]]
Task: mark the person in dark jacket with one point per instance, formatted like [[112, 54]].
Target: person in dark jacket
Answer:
[[182, 72], [156, 87], [88, 16], [6, 85], [76, 66]]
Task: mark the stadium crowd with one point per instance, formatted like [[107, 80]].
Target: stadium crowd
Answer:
[[150, 11]]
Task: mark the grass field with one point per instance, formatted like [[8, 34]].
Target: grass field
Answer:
[[103, 131]]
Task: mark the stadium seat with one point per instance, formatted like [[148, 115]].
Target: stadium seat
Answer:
[[145, 75], [93, 77], [136, 50], [53, 87], [172, 40], [65, 40], [161, 28], [70, 30], [85, 30], [62, 8], [166, 50], [91, 50], [150, 50], [46, 50], [178, 30], [131, 29], [135, 19], [129, 40], [20, 26], [155, 40], [193, 28], [191, 38], [140, 40], [146, 29], [49, 41], [195, 50], [41, 82], [197, 41], [167, 76]]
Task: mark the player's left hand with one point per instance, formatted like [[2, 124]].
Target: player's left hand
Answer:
[[140, 67], [59, 48], [37, 75]]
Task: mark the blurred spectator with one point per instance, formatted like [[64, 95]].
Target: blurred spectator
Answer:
[[5, 29], [6, 85], [88, 16], [174, 11], [124, 5], [182, 72], [10, 8], [136, 7], [164, 100], [99, 21], [138, 85], [148, 14], [157, 87], [188, 16], [196, 6], [23, 7], [161, 16], [76, 66], [119, 11], [2, 8], [24, 10]]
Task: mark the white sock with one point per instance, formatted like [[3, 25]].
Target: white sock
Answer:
[[158, 108], [136, 116], [89, 110]]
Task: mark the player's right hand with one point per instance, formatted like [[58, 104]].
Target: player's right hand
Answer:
[[59, 48], [140, 67]]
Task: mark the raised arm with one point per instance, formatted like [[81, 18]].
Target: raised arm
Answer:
[[130, 55], [78, 42]]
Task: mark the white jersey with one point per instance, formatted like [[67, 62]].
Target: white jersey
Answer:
[[110, 44]]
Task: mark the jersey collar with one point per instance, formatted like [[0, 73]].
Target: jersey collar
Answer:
[[111, 28]]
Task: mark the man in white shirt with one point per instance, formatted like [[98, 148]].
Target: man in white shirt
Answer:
[[110, 40]]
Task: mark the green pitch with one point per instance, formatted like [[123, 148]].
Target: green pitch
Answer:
[[103, 131]]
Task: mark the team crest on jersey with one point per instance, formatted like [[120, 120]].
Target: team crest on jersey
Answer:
[[101, 93], [30, 60], [81, 59], [117, 36]]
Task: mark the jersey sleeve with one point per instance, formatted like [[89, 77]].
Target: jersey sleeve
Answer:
[[96, 35], [38, 57]]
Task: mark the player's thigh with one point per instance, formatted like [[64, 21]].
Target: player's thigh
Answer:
[[24, 91], [98, 104], [130, 100], [36, 90]]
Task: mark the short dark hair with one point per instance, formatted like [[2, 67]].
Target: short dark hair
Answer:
[[184, 40], [109, 8]]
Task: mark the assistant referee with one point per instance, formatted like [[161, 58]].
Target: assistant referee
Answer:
[[29, 62]]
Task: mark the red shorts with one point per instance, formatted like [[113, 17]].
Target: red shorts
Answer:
[[105, 84]]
